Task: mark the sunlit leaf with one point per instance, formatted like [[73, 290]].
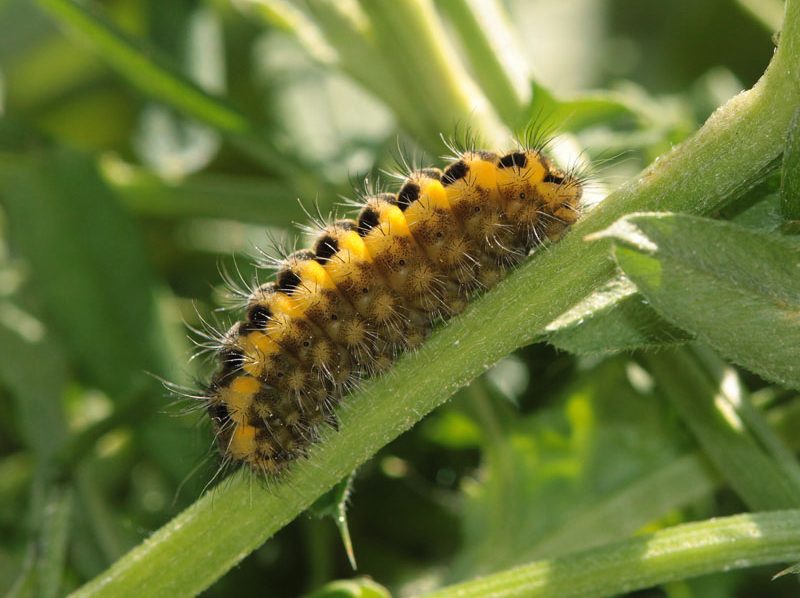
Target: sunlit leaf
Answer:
[[90, 268], [614, 318], [736, 289]]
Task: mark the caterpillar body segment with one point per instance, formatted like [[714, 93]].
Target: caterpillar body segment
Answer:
[[371, 288]]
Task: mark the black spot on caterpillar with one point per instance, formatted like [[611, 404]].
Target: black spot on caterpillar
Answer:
[[517, 159], [457, 170], [371, 289]]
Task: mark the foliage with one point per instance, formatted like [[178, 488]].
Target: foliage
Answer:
[[624, 406]]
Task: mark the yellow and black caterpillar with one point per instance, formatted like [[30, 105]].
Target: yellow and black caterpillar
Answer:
[[371, 288]]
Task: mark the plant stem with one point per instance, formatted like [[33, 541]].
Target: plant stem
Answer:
[[724, 158], [790, 176], [352, 35], [497, 61], [430, 71], [679, 552]]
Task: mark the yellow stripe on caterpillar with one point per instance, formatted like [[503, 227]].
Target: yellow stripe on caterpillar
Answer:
[[372, 288]]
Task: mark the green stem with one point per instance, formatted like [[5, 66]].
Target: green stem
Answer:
[[412, 40], [496, 60], [679, 552], [790, 176], [731, 150], [352, 35]]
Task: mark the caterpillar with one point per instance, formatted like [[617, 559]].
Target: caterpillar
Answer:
[[371, 288]]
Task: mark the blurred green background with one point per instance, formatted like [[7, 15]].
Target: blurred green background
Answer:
[[118, 211]]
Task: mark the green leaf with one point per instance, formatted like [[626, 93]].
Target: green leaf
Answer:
[[53, 540], [740, 140], [33, 367], [581, 111], [170, 144], [766, 214], [736, 289], [709, 398], [779, 447], [34, 371], [760, 191], [155, 75], [601, 436], [614, 318], [144, 68], [790, 175], [89, 267], [247, 199], [655, 495]]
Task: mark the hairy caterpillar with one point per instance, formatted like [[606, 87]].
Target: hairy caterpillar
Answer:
[[371, 288]]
